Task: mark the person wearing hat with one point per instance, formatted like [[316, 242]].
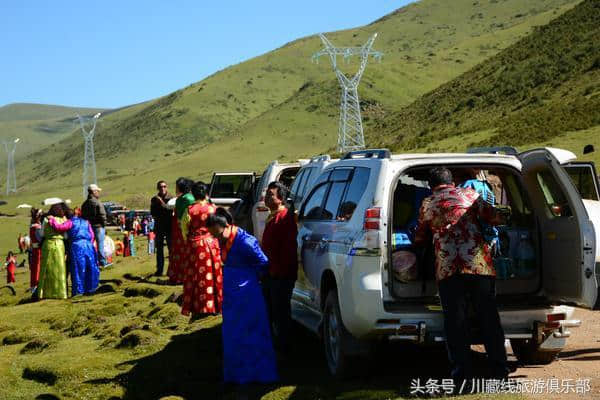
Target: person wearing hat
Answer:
[[93, 210]]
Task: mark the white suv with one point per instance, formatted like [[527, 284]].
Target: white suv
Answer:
[[363, 209], [306, 177], [244, 193]]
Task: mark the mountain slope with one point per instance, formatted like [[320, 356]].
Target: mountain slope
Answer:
[[546, 84], [285, 105], [38, 125]]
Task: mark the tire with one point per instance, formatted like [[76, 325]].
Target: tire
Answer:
[[529, 353], [336, 339]]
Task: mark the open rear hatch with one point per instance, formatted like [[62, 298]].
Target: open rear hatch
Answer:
[[546, 254], [566, 233]]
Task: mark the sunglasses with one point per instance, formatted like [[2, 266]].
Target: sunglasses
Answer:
[[163, 186]]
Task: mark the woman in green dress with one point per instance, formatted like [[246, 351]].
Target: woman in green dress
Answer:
[[53, 269]]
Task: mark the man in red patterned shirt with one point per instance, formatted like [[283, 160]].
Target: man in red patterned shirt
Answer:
[[452, 218]]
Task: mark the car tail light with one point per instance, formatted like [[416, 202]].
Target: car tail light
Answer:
[[372, 218], [556, 317]]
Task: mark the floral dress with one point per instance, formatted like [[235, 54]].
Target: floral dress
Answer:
[[179, 251], [203, 281]]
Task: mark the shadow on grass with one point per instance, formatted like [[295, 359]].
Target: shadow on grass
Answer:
[[190, 366]]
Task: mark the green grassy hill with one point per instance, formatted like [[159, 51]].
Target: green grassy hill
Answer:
[[38, 125], [537, 90], [280, 105]]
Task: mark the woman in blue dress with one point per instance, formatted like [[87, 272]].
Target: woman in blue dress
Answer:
[[248, 354], [85, 274]]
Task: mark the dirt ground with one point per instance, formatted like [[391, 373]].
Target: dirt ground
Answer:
[[580, 359]]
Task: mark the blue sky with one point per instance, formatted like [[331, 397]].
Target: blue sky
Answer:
[[111, 54]]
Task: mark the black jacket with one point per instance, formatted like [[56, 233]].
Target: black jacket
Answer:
[[93, 210], [161, 214]]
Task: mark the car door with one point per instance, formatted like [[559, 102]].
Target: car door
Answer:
[[318, 226], [310, 246], [566, 233]]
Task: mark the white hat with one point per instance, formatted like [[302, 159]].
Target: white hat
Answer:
[[52, 201], [93, 187]]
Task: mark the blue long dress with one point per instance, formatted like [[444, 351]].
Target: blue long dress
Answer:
[[248, 354], [85, 274]]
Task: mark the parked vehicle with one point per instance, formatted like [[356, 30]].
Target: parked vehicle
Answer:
[[244, 193], [359, 213], [232, 190], [112, 210], [306, 177], [284, 173]]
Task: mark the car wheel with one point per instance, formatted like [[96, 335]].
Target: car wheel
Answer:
[[335, 337], [529, 353]]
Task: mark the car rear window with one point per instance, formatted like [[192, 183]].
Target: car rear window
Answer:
[[230, 186]]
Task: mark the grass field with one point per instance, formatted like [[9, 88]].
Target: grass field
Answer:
[[131, 342]]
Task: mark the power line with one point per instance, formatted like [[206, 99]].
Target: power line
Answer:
[[89, 160], [350, 131], [11, 176]]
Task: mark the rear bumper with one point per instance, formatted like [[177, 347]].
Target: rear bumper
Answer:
[[418, 333]]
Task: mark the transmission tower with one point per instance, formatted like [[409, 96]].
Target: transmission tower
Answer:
[[89, 160], [350, 131], [11, 176]]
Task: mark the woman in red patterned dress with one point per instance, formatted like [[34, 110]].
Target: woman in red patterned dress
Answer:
[[35, 259], [203, 282], [179, 252]]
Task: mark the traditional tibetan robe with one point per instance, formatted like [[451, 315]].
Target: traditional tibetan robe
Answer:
[[85, 273], [53, 268], [248, 354]]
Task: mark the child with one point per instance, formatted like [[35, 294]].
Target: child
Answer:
[[126, 248], [10, 263], [151, 236]]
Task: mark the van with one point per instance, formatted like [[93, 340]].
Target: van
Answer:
[[361, 211]]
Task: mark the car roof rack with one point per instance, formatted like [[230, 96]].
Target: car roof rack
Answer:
[[324, 157], [372, 153], [508, 150]]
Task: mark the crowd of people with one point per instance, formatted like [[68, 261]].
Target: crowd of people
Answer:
[[225, 270], [64, 243]]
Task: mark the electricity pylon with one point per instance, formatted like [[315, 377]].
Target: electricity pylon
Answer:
[[350, 131], [89, 160], [11, 176]]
